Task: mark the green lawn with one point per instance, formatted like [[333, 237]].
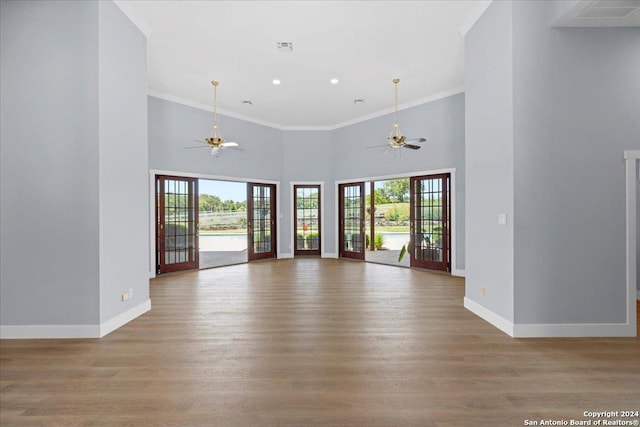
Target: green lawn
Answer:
[[392, 229], [232, 231]]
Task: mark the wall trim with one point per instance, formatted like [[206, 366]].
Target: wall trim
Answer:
[[415, 103], [631, 158], [285, 255], [556, 330], [484, 313], [73, 331], [49, 331], [459, 273], [124, 318], [574, 330], [329, 255]]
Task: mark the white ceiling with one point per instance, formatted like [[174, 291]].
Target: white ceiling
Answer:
[[364, 44]]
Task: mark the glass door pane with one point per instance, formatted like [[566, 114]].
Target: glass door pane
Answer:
[[306, 219], [352, 211], [176, 224], [261, 220], [429, 222]]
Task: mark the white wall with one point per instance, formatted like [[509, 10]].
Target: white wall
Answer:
[[576, 110], [49, 163], [172, 127], [73, 228], [489, 160], [124, 218], [307, 156], [554, 110]]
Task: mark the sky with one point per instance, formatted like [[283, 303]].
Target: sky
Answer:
[[226, 190]]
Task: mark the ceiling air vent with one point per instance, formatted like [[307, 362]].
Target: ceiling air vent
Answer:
[[358, 101], [285, 46]]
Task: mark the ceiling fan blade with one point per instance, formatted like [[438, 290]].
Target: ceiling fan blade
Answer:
[[411, 146], [379, 146], [416, 140], [229, 144], [197, 146], [226, 147], [201, 141]]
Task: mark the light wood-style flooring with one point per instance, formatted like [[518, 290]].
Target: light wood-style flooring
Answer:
[[311, 342]]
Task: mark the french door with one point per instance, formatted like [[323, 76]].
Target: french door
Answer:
[[306, 219], [261, 220], [429, 222], [351, 207], [176, 224]]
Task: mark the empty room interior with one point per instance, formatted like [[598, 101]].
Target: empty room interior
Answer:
[[298, 213]]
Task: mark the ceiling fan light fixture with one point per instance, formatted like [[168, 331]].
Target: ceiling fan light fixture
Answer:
[[214, 140], [396, 139]]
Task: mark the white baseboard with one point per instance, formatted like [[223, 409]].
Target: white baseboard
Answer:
[[73, 331], [329, 255], [556, 330], [285, 255], [124, 318], [459, 273], [574, 330], [48, 331], [496, 320]]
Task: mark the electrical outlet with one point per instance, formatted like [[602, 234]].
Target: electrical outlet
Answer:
[[483, 292], [130, 292], [125, 296]]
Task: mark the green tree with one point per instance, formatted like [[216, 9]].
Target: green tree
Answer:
[[310, 202], [209, 203], [397, 190]]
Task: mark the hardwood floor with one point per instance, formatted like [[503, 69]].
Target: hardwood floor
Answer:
[[312, 342]]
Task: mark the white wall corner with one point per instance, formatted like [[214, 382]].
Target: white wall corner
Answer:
[[496, 320], [124, 318]]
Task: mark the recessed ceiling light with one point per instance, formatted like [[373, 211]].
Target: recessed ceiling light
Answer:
[[358, 101], [276, 82], [334, 81]]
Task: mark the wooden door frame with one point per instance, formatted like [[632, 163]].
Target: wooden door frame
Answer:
[[455, 271], [159, 227], [320, 187], [445, 264], [341, 252], [273, 207]]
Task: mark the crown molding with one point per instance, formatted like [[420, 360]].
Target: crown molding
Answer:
[[366, 117]]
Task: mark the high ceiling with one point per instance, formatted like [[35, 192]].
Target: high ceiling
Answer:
[[363, 44]]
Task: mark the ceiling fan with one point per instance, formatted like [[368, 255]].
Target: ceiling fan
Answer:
[[396, 140], [215, 141]]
